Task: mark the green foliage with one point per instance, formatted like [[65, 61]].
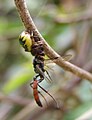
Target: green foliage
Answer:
[[18, 78]]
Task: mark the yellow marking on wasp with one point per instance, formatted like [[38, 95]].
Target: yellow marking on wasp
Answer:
[[26, 38]]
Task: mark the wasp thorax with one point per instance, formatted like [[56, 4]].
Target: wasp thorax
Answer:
[[26, 41]]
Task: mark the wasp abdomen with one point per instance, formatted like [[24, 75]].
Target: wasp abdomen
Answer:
[[36, 93]]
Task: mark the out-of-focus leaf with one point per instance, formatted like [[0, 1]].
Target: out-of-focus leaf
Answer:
[[3, 25], [18, 78], [78, 111]]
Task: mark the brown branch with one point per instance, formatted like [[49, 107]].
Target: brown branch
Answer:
[[30, 26], [15, 100]]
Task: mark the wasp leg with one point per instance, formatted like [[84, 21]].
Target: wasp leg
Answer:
[[41, 78], [43, 97], [31, 84], [36, 76], [41, 74], [48, 94], [50, 79]]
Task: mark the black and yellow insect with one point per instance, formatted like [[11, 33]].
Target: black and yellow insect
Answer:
[[34, 45]]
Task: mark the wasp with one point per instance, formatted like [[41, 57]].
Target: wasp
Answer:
[[34, 45]]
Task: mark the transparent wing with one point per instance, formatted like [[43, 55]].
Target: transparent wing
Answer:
[[67, 57], [42, 73], [51, 61]]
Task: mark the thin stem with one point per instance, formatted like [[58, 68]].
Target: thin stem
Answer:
[[15, 100]]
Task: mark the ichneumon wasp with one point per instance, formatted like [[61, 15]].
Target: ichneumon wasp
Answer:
[[34, 45]]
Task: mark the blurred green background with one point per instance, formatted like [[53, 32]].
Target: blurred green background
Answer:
[[66, 25]]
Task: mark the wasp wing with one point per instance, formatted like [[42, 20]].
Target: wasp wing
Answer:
[[51, 61], [42, 73], [67, 57]]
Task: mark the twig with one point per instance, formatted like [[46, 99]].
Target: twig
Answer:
[[30, 26], [16, 100]]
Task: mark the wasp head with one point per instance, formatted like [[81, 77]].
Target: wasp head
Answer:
[[26, 41]]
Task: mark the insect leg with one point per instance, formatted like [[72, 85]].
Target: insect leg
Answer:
[[42, 74], [48, 75], [43, 97], [36, 77], [48, 94], [31, 84]]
